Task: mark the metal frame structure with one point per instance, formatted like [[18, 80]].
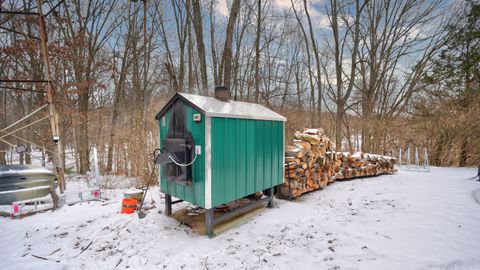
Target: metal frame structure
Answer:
[[169, 203], [408, 166], [211, 221], [28, 207], [50, 91]]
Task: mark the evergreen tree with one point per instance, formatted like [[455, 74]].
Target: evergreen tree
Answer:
[[454, 89]]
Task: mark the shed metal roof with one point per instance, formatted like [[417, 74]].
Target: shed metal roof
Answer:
[[213, 107]]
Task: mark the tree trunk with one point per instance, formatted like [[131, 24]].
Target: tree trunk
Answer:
[[227, 50], [257, 51], [3, 123], [84, 151], [317, 61], [463, 155], [189, 49], [338, 126], [198, 26], [216, 72], [115, 113]]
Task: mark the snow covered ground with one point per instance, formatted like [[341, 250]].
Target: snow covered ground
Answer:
[[411, 220]]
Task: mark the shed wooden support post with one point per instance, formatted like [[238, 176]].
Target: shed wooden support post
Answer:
[[168, 205], [209, 222]]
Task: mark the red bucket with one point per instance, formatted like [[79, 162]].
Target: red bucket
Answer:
[[129, 206]]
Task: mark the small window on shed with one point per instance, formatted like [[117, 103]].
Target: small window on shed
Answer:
[[163, 121]]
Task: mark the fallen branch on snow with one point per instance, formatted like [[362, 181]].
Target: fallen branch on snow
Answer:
[[43, 258], [83, 249]]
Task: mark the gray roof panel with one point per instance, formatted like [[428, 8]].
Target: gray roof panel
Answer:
[[232, 109], [213, 107]]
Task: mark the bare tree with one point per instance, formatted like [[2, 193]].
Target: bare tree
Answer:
[[119, 79], [309, 65], [318, 64], [392, 33], [88, 27], [343, 75]]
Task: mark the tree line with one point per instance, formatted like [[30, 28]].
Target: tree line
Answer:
[[378, 76]]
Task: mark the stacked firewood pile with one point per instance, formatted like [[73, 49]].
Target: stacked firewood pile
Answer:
[[361, 164], [311, 164]]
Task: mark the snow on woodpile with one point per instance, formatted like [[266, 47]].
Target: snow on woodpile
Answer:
[[311, 164]]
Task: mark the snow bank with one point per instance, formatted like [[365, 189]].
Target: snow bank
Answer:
[[410, 220], [476, 195]]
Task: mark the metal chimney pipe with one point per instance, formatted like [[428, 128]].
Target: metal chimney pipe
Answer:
[[222, 93]]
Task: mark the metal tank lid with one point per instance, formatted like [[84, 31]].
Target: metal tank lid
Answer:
[[15, 169]]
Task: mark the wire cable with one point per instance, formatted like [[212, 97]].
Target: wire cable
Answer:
[[171, 155]]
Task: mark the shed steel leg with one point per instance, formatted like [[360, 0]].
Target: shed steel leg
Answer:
[[168, 205], [209, 221], [270, 194]]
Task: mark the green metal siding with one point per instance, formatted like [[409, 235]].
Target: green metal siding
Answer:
[[194, 193], [247, 156]]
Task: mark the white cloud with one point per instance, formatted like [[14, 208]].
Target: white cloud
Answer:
[[284, 4], [221, 8], [321, 22], [298, 3], [416, 33], [319, 19]]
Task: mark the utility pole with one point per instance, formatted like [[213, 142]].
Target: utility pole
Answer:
[[57, 143], [50, 94]]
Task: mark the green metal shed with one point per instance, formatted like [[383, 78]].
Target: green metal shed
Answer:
[[223, 150]]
